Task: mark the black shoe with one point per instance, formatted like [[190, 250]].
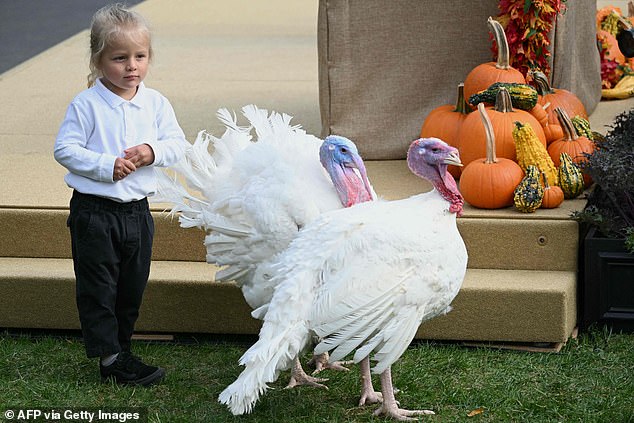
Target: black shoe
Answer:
[[130, 370]]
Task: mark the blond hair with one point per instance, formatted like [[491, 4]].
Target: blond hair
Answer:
[[108, 23]]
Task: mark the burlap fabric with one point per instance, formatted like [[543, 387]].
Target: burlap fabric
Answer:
[[384, 65]]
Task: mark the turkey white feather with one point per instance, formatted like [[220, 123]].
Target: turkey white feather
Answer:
[[252, 198], [363, 279]]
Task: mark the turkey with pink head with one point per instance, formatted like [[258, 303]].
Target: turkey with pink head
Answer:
[[363, 279], [253, 196]]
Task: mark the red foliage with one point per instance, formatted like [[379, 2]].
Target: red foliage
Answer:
[[527, 25]]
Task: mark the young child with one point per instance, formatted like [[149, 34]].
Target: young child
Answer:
[[112, 135]]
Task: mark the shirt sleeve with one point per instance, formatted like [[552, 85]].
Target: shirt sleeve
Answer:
[[170, 144], [71, 152]]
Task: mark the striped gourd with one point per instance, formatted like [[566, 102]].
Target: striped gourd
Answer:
[[531, 151], [570, 177], [529, 193], [523, 96], [582, 126]]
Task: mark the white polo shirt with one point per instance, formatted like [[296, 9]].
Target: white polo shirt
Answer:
[[99, 125]]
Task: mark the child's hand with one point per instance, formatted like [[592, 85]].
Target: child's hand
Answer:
[[122, 168], [140, 155]]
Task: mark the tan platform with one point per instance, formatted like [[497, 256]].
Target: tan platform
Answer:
[[520, 286], [521, 282]]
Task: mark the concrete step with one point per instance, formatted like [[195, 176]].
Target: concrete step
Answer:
[[492, 242], [493, 305], [495, 239], [42, 233]]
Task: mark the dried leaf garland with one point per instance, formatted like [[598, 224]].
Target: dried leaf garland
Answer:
[[527, 24]]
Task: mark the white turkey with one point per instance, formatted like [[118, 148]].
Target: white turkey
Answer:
[[363, 278], [252, 198]]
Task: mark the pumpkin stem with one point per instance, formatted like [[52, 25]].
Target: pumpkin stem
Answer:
[[566, 124], [502, 43], [461, 105], [490, 135], [503, 102], [543, 86]]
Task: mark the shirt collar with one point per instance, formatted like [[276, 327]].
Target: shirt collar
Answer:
[[115, 101]]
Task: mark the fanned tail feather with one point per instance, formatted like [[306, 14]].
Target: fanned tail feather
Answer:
[[230, 273], [235, 139], [170, 190], [259, 120], [274, 128]]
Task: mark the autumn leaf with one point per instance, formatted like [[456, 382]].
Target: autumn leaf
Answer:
[[475, 412]]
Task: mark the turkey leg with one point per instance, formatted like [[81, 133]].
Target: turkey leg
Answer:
[[390, 407], [368, 394]]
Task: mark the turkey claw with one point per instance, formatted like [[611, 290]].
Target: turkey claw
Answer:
[[299, 380], [321, 363], [370, 397], [337, 365], [401, 414]]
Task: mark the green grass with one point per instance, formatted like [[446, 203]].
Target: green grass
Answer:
[[590, 380]]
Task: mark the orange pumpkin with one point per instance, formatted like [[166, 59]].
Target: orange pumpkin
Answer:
[[444, 122], [482, 76], [553, 195], [539, 112], [557, 97], [489, 183], [552, 131], [573, 144], [472, 137]]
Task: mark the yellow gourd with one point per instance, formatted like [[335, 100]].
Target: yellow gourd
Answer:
[[531, 151]]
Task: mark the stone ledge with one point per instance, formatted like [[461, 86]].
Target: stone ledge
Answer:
[[493, 305], [494, 241]]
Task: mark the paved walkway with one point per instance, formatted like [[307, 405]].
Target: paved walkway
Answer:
[[28, 27], [209, 54]]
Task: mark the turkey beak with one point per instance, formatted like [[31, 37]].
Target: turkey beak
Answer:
[[357, 163], [453, 159]]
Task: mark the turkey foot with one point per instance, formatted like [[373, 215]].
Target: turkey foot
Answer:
[[390, 407], [368, 394], [299, 377], [320, 361]]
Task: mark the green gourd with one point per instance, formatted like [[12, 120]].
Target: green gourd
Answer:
[[582, 126], [523, 96], [530, 192], [570, 177]]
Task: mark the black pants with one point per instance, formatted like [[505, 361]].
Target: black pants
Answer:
[[112, 249]]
